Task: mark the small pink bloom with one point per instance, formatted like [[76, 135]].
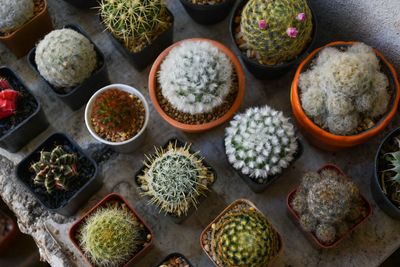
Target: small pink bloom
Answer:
[[292, 32], [262, 24], [301, 17]]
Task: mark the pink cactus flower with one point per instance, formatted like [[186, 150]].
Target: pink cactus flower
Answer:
[[262, 24], [292, 32], [301, 17]]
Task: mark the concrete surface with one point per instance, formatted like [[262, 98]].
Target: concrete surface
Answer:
[[369, 245]]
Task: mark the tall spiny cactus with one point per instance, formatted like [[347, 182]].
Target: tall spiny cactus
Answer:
[[14, 13]]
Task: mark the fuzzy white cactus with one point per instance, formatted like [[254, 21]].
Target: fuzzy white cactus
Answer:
[[343, 87], [196, 77], [14, 13], [65, 58], [260, 142]]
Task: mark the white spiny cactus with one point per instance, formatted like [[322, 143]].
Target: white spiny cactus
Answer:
[[14, 13], [196, 77], [260, 143], [65, 58]]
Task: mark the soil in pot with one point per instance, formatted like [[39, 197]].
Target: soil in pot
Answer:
[[175, 260]]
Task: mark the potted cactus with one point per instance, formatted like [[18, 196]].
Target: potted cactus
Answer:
[[343, 94], [83, 4], [117, 115], [111, 233], [175, 260], [241, 236], [260, 143], [59, 174], [385, 185], [272, 36], [174, 179], [139, 29], [328, 206], [23, 23], [196, 84], [21, 115], [71, 64], [208, 11], [8, 231]]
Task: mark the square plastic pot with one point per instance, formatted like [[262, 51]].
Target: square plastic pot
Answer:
[[111, 197], [208, 14], [174, 218], [24, 38], [140, 60], [79, 95], [296, 217], [5, 241], [78, 198], [83, 3], [33, 125]]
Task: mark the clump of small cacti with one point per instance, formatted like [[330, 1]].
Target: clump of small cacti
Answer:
[[391, 176], [8, 99], [327, 203], [174, 179], [15, 13], [275, 31], [345, 90], [111, 236], [195, 77], [244, 237], [135, 23], [260, 142], [55, 169], [65, 58]]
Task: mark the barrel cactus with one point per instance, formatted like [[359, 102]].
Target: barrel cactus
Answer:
[[135, 23], [174, 179], [15, 13], [65, 58], [243, 237], [277, 31], [392, 174], [260, 142], [55, 169], [195, 77]]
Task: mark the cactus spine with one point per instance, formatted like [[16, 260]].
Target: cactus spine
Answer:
[[15, 13]]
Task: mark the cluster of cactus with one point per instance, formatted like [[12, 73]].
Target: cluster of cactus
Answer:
[[328, 203], [277, 31], [135, 23], [15, 13], [8, 99], [55, 169], [393, 174], [174, 179], [244, 237], [111, 236], [260, 142], [344, 88], [65, 58], [196, 77]]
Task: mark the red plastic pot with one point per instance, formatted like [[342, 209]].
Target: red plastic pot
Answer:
[[7, 239]]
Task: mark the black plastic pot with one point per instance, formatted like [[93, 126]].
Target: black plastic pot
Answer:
[[147, 55], [79, 96], [175, 255], [208, 14], [261, 71], [83, 3], [257, 187], [17, 137], [174, 218], [376, 188], [68, 202]]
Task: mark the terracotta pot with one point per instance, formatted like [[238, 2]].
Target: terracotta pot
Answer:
[[241, 201], [116, 197], [326, 140], [6, 240], [191, 128], [296, 217], [21, 41]]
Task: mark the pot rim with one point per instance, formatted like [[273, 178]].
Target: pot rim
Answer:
[[206, 7]]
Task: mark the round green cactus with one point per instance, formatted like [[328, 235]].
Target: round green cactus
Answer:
[[278, 30]]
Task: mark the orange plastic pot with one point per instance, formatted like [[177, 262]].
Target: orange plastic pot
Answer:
[[191, 128], [324, 139]]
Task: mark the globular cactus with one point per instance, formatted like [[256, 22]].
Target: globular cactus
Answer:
[[65, 58], [135, 23], [260, 142], [278, 30], [326, 233], [15, 13], [111, 236], [343, 88], [174, 179], [195, 77], [392, 175], [55, 169], [244, 238]]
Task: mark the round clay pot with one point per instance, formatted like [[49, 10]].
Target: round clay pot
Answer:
[[326, 140], [192, 128]]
